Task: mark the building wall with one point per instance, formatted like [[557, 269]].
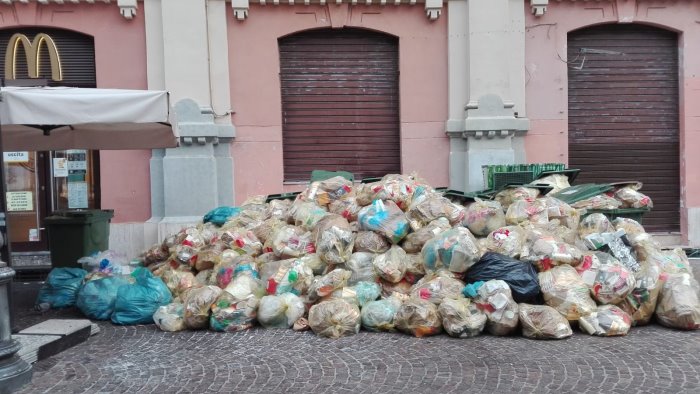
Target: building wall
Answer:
[[120, 62], [546, 82], [256, 95]]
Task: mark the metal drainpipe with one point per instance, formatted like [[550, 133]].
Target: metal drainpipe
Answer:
[[14, 372]]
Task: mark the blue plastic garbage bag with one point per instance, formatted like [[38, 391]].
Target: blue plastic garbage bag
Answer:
[[220, 215], [136, 303], [61, 287], [97, 297]]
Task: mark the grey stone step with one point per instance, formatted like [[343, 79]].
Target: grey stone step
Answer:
[[52, 337]]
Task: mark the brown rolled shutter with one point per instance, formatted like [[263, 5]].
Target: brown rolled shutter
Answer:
[[76, 50], [623, 113], [340, 103]]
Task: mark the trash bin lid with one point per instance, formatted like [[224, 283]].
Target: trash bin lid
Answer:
[[580, 192], [570, 173], [79, 215]]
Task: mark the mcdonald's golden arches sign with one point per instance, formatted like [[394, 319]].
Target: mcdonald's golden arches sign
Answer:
[[32, 51]]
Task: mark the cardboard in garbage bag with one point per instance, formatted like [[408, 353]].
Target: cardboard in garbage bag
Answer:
[[280, 311], [606, 321], [198, 304], [431, 207], [334, 318], [418, 317], [391, 266], [461, 318], [328, 190], [640, 303], [371, 242], [494, 298], [543, 322], [679, 302], [413, 243], [564, 290], [610, 281], [334, 239]]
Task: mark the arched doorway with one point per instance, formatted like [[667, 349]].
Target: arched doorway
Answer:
[[624, 115], [340, 103]]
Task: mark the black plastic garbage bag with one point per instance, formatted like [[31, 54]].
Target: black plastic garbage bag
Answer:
[[520, 276]]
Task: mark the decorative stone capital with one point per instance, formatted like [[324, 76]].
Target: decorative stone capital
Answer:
[[241, 7], [433, 9], [128, 8], [539, 7], [195, 125]]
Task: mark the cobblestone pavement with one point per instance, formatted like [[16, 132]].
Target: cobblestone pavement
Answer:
[[143, 359]]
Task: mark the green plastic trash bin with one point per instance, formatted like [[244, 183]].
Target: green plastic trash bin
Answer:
[[77, 233]]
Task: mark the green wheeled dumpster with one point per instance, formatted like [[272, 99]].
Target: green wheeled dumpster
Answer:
[[77, 233]]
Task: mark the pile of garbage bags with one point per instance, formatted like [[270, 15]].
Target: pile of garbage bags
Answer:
[[397, 255]]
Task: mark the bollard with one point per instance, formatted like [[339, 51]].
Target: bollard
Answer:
[[14, 372]]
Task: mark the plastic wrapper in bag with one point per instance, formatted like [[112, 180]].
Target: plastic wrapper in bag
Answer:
[[386, 218], [391, 266], [178, 281], [198, 303], [170, 317], [455, 249], [495, 300], [549, 251], [634, 231], [610, 282], [601, 201], [415, 270], [437, 288], [334, 318], [292, 242], [267, 229], [242, 241], [534, 211], [461, 318], [640, 303], [607, 321], [280, 311], [206, 277], [398, 188], [594, 223], [345, 293], [326, 284], [679, 302], [557, 181], [520, 276], [564, 290], [413, 243], [227, 268], [96, 298], [418, 317], [136, 303], [306, 214], [380, 315], [287, 276], [431, 208], [61, 287], [156, 254], [509, 241], [334, 239], [509, 195], [230, 313], [326, 191], [244, 286], [362, 267], [346, 207], [630, 197], [251, 215], [543, 322], [483, 216]]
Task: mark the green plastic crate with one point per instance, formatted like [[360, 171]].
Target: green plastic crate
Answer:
[[497, 176]]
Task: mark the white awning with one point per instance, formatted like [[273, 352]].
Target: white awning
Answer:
[[82, 118]]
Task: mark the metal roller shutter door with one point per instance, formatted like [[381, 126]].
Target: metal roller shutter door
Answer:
[[623, 113], [340, 103]]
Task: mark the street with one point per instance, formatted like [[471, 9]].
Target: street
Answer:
[[133, 359]]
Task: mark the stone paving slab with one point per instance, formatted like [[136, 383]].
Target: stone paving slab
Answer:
[[58, 327], [142, 359], [31, 345]]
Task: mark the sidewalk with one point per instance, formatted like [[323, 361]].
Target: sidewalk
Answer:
[[143, 359]]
